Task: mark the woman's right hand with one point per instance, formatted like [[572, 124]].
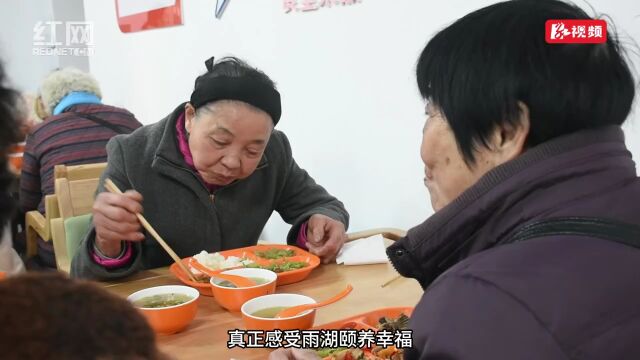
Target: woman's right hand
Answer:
[[114, 218]]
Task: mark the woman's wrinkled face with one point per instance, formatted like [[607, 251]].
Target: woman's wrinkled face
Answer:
[[446, 173], [227, 139]]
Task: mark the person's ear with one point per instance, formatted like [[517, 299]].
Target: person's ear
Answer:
[[510, 138], [189, 117]]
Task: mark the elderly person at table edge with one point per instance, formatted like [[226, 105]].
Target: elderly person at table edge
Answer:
[[208, 177], [533, 251], [10, 262], [76, 131]]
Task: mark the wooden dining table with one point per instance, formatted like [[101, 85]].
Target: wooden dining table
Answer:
[[207, 336]]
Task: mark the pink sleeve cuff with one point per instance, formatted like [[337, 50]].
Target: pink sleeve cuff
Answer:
[[110, 263], [301, 241]]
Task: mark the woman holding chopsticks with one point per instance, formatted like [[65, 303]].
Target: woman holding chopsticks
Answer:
[[207, 177]]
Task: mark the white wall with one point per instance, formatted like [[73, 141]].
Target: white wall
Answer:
[[350, 104], [17, 21]]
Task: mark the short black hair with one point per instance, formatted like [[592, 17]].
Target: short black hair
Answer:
[[476, 71], [49, 316], [9, 134]]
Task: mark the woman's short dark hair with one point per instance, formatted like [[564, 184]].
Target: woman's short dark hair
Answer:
[[476, 71], [9, 134], [49, 316]]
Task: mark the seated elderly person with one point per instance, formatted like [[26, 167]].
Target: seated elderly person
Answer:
[[10, 132], [534, 247], [49, 316], [76, 130], [208, 177]]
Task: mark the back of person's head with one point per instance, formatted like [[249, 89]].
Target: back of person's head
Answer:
[[49, 316], [62, 82], [9, 134], [478, 71]]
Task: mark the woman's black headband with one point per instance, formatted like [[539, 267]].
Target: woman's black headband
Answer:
[[243, 88]]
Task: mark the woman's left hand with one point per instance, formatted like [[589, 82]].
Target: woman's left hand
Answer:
[[325, 237]]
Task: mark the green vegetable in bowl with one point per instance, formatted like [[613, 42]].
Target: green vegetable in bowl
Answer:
[[162, 300]]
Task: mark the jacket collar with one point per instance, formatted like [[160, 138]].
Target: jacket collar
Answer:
[[507, 197]]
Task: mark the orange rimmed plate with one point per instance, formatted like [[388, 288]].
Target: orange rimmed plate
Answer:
[[286, 277], [367, 320]]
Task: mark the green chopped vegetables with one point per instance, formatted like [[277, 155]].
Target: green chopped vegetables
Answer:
[[340, 353], [324, 352], [163, 300], [279, 267], [275, 253]]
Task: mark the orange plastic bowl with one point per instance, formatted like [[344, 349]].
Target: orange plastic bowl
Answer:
[[302, 321], [232, 299], [17, 147], [16, 160], [170, 319]]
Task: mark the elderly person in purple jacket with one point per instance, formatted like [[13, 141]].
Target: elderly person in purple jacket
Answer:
[[533, 250]]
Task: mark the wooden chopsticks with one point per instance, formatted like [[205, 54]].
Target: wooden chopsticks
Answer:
[[109, 185], [391, 280]]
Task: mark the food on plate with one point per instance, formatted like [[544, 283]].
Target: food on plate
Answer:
[[340, 354], [279, 267], [229, 284], [391, 324], [275, 253], [378, 353], [390, 352], [216, 261], [162, 300], [270, 312]]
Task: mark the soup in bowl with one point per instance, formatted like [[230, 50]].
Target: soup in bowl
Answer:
[[259, 313], [169, 309], [231, 297]]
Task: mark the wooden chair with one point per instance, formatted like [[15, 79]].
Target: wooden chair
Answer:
[[38, 224], [79, 172], [75, 193], [388, 233]]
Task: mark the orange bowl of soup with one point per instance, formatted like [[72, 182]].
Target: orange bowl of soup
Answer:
[[169, 309]]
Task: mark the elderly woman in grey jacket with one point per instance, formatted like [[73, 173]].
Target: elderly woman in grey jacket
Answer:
[[208, 177]]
